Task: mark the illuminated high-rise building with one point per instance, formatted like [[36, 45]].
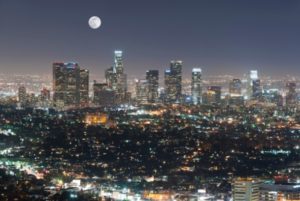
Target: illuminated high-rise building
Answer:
[[111, 78], [253, 74], [246, 189], [235, 87], [212, 95], [142, 91], [216, 90], [66, 84], [167, 90], [152, 77], [22, 95], [121, 86], [254, 86], [235, 93], [197, 86], [173, 82], [116, 78], [118, 61], [103, 95], [44, 98], [45, 94], [69, 83], [84, 87], [291, 96]]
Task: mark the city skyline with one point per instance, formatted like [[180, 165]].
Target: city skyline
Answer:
[[150, 100], [218, 37]]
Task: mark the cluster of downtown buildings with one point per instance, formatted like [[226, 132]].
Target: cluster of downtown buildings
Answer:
[[71, 88], [231, 143]]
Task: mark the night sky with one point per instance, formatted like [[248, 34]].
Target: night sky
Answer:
[[224, 36]]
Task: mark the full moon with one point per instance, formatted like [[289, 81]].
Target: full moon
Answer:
[[94, 22]]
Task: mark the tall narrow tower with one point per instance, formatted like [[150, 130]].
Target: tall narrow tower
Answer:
[[173, 82], [116, 79], [118, 62], [152, 77], [197, 86]]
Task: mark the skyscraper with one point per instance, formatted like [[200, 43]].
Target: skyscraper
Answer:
[[173, 82], [103, 95], [111, 78], [65, 84], [22, 95], [235, 93], [84, 87], [121, 86], [118, 61], [142, 91], [69, 83], [152, 77], [167, 90], [212, 95], [254, 88], [116, 78], [44, 98], [197, 86], [121, 77], [291, 96], [45, 94], [235, 87]]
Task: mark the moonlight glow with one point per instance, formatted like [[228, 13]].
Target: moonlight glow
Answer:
[[94, 22]]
